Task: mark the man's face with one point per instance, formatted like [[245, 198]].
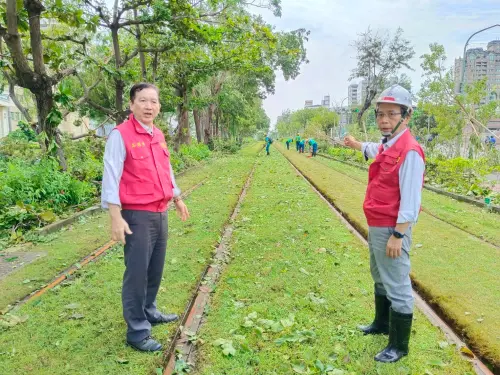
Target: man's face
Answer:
[[388, 116], [146, 106]]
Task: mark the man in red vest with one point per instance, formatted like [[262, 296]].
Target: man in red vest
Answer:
[[391, 206], [138, 183]]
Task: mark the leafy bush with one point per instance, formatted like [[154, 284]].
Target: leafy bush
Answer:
[[227, 146], [189, 156], [84, 158], [347, 154], [32, 193], [457, 175], [33, 189], [19, 147]]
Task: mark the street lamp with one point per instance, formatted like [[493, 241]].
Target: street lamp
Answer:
[[341, 109], [465, 49]]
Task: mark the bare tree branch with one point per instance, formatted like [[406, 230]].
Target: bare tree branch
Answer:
[[35, 9], [137, 22], [66, 38], [56, 78], [133, 6], [13, 41], [86, 92], [99, 107], [129, 57], [100, 12], [13, 96], [93, 132]]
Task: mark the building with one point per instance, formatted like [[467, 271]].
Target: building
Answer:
[[480, 63], [356, 93], [352, 95], [10, 117], [362, 87], [325, 103]]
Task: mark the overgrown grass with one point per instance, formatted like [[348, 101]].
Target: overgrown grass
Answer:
[[62, 249], [456, 271], [67, 246], [79, 329], [473, 219], [457, 175], [298, 274]]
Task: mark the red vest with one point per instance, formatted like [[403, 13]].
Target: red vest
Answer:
[[383, 196], [146, 184]]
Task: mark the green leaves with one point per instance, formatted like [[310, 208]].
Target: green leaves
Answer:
[[318, 368], [8, 320], [226, 346], [315, 298], [72, 306], [54, 117], [297, 337]]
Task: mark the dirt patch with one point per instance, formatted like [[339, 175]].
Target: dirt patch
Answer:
[[12, 261]]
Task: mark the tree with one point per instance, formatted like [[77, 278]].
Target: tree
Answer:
[[308, 121], [451, 111], [250, 50], [324, 119], [302, 118], [379, 56], [39, 70]]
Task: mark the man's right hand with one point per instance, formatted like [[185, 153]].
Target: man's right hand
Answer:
[[351, 142], [119, 227]]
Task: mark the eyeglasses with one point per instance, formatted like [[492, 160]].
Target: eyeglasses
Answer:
[[391, 115]]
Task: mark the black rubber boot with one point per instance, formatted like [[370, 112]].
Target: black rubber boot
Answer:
[[380, 325], [399, 338]]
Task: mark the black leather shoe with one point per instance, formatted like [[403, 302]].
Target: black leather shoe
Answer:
[[380, 325], [165, 318], [147, 345], [399, 338]]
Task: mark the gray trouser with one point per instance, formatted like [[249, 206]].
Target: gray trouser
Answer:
[[144, 259], [391, 276]]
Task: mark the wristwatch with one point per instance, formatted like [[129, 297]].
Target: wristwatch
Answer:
[[177, 199], [397, 234]]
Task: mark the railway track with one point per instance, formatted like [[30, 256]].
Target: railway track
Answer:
[[434, 317], [424, 209], [96, 254]]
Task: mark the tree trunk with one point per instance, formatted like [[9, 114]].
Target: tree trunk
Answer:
[[217, 124], [155, 68], [44, 105], [368, 102], [207, 135], [211, 109], [197, 124], [139, 47], [119, 84], [183, 136], [36, 80]]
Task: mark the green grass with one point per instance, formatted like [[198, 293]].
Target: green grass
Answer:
[[473, 219], [456, 271], [62, 250], [291, 255], [49, 342], [69, 245]]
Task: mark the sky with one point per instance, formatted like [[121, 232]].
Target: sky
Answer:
[[335, 24]]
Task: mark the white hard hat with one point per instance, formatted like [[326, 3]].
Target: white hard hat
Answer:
[[396, 95]]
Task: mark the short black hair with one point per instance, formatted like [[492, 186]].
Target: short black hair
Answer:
[[141, 86]]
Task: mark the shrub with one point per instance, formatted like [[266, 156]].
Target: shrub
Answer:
[[226, 146]]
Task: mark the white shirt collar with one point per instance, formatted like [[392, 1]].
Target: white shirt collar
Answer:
[[149, 129], [393, 140]]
